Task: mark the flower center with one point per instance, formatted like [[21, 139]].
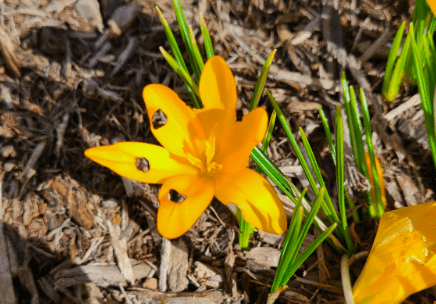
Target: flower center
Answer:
[[213, 168]]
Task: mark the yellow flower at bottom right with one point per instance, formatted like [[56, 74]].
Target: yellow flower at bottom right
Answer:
[[402, 260]]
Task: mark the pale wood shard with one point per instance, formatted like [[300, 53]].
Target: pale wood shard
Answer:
[[155, 297], [413, 101], [261, 258], [120, 247], [101, 275], [207, 275], [410, 191], [178, 269], [165, 255]]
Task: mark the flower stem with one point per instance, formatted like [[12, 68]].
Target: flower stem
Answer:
[[346, 282]]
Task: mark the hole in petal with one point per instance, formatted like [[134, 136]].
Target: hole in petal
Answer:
[[175, 196], [159, 119], [142, 164]]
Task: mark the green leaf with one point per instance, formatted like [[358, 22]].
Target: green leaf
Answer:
[[393, 55], [332, 216], [195, 51], [375, 178], [290, 246], [182, 73], [260, 85], [328, 133], [307, 252], [340, 176], [268, 134], [424, 92], [246, 230], [186, 36], [178, 56], [206, 38], [316, 170], [399, 71], [309, 220]]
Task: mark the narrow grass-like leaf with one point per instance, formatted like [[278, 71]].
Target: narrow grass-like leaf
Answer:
[[307, 252], [424, 92], [288, 252], [429, 51], [290, 190], [184, 31], [399, 71], [340, 176], [181, 72], [328, 133], [287, 244], [316, 169], [375, 176], [206, 38], [272, 172], [267, 139], [195, 51], [177, 55], [172, 40], [260, 85], [355, 127], [347, 105], [309, 220], [332, 216], [432, 62], [393, 55], [246, 230]]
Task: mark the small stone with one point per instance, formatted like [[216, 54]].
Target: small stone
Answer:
[[150, 283]]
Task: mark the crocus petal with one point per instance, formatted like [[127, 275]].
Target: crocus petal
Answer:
[[174, 219], [234, 150], [218, 94], [121, 158], [182, 133], [217, 86], [259, 204], [402, 260]]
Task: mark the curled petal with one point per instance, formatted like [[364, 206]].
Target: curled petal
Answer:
[[234, 151], [122, 158], [174, 218], [259, 204], [402, 260], [182, 133]]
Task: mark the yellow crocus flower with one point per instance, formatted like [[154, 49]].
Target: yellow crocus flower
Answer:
[[402, 260], [205, 153]]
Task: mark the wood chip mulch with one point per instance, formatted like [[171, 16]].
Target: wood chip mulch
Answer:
[[71, 77]]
